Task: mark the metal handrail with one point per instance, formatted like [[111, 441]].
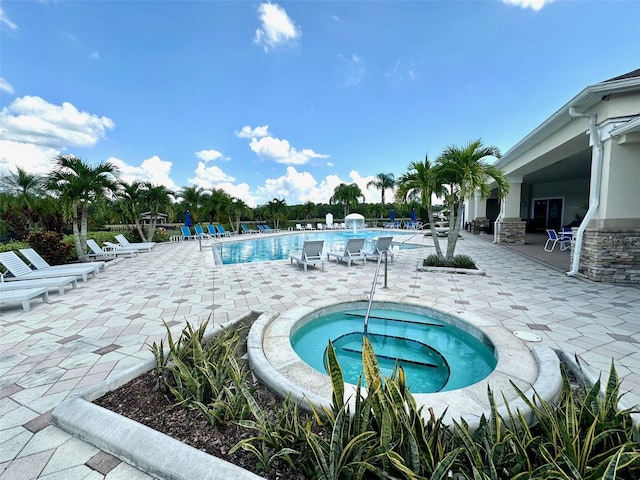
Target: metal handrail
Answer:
[[373, 289]]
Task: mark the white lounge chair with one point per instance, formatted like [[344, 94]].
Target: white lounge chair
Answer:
[[352, 252], [40, 263], [142, 246], [108, 252], [24, 295], [382, 244], [22, 271], [311, 254], [54, 282]]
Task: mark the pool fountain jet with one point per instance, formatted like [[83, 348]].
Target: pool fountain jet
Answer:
[[354, 221]]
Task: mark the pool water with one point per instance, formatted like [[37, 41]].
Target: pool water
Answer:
[[280, 247], [435, 355]]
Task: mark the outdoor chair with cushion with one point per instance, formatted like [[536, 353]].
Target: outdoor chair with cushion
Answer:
[[352, 252], [311, 254]]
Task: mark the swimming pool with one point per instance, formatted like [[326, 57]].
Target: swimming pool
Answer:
[[280, 247]]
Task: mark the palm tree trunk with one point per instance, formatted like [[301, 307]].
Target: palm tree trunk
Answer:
[[434, 234]]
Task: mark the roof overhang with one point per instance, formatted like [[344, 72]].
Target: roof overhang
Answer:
[[584, 101]]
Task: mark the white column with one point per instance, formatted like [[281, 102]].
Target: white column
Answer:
[[513, 198]]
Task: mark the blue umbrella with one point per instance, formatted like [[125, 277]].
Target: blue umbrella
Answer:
[[187, 219], [392, 215], [413, 214]]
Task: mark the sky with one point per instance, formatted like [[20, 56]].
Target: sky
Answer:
[[289, 99]]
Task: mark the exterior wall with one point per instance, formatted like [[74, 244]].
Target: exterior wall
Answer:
[[611, 256], [574, 192]]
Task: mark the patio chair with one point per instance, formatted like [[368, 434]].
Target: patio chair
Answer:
[[382, 244], [24, 295], [200, 233], [54, 282], [106, 253], [211, 229], [246, 229], [140, 246], [309, 227], [299, 226], [550, 244], [269, 229], [311, 254], [22, 271], [352, 252], [224, 233], [40, 263], [187, 234]]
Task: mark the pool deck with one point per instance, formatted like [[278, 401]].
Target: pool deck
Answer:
[[104, 327]]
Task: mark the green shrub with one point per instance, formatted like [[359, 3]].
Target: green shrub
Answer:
[[459, 261], [51, 247]]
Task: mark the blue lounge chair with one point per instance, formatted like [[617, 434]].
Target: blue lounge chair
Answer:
[[200, 233], [223, 233], [246, 229], [271, 230], [186, 233], [261, 229], [212, 231]]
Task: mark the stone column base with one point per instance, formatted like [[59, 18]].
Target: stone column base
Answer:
[[611, 255], [511, 231]]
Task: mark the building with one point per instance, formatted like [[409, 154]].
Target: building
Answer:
[[579, 168]]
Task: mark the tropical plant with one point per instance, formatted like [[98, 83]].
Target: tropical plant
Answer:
[[193, 199], [464, 171], [50, 246], [78, 185], [309, 210], [276, 209], [216, 205], [383, 182], [237, 210], [420, 183], [21, 194], [347, 196]]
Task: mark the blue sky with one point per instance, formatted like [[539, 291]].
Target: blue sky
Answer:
[[287, 100]]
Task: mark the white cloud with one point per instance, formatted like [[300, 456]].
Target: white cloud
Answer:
[[532, 4], [248, 132], [153, 170], [276, 28], [5, 22], [280, 151], [94, 55], [208, 155], [33, 131], [33, 120], [6, 86], [214, 177]]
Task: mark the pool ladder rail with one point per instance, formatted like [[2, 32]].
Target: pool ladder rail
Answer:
[[373, 289]]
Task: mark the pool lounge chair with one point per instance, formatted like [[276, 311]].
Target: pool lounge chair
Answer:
[[382, 244], [49, 283], [309, 227], [22, 271], [200, 233], [246, 229], [299, 226], [106, 253], [24, 295], [352, 252], [40, 263], [186, 233], [550, 244], [311, 254], [269, 229], [140, 246], [223, 233]]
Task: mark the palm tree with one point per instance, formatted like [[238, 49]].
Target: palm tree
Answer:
[[376, 210], [382, 182], [347, 195], [192, 200], [78, 185], [420, 183], [309, 209], [216, 204], [277, 210], [25, 187], [130, 204], [237, 210], [464, 171], [157, 199]]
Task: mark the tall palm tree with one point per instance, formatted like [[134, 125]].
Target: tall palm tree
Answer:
[[157, 199], [130, 203], [237, 210], [347, 195], [420, 183], [383, 182], [216, 205], [77, 185], [277, 209], [309, 209], [464, 170]]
